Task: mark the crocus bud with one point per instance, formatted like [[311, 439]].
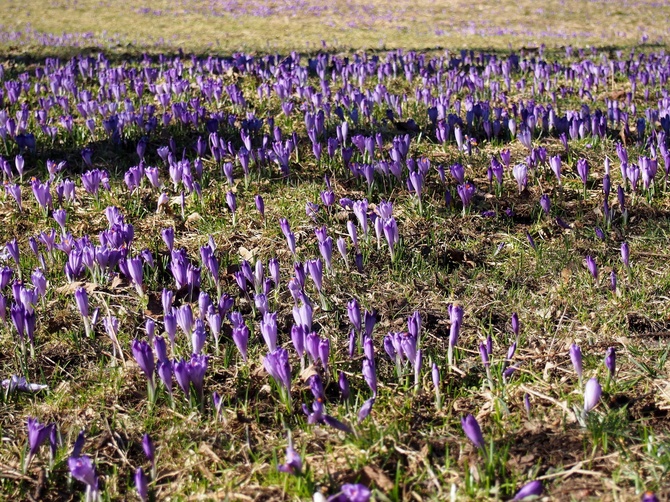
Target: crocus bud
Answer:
[[473, 431], [515, 324], [81, 298], [483, 352], [269, 330], [591, 266], [343, 383], [576, 358], [354, 313], [649, 497], [141, 484], [324, 353], [592, 393], [370, 375], [610, 361], [277, 365], [534, 488], [37, 435], [365, 409], [82, 469], [293, 463], [241, 339], [625, 254], [144, 356], [545, 203]]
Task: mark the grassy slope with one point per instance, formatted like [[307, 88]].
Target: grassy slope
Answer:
[[407, 445], [342, 25]]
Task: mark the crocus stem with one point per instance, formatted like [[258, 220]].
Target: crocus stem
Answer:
[[151, 390], [29, 459], [87, 327], [488, 376]]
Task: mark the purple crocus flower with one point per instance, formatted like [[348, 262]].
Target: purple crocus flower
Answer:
[[170, 324], [592, 393], [526, 138], [149, 448], [241, 338], [81, 299], [197, 369], [352, 493], [370, 375], [354, 313], [576, 358], [15, 191], [19, 163], [649, 496], [555, 164], [39, 282], [591, 266], [458, 172], [625, 254], [167, 234], [185, 319], [458, 135], [315, 269], [92, 179], [520, 172], [369, 321], [298, 339], [260, 205], [12, 248], [534, 488], [37, 435], [231, 200], [361, 211], [18, 316], [135, 269], [545, 203], [164, 370], [141, 484], [473, 431], [316, 386], [144, 356], [277, 365], [484, 354], [583, 170], [515, 324], [456, 319], [198, 337], [435, 374], [324, 353], [293, 464], [312, 346], [42, 193], [466, 191], [610, 361], [60, 216], [269, 330], [319, 416], [343, 384], [82, 469], [290, 236], [366, 409]]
